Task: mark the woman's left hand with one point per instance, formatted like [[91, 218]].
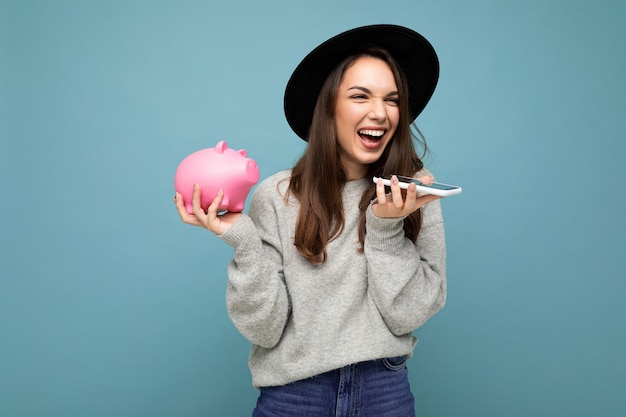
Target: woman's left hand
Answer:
[[397, 204]]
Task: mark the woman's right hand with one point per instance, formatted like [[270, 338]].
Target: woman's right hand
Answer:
[[211, 219]]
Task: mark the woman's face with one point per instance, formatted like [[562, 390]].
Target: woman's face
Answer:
[[366, 114]]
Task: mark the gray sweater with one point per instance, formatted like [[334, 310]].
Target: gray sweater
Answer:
[[305, 319]]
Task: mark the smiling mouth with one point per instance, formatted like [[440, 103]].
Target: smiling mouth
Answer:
[[371, 135]]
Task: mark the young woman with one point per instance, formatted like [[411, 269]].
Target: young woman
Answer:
[[331, 272]]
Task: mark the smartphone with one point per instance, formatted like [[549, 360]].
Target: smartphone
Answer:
[[435, 188]]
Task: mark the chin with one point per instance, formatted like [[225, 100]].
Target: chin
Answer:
[[370, 159]]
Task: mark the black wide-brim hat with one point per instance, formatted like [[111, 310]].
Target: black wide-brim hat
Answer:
[[413, 53]]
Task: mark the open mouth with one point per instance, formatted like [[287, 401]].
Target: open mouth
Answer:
[[371, 136]]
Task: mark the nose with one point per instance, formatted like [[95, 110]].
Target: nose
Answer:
[[378, 110]]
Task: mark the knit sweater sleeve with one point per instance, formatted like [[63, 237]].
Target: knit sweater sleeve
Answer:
[[256, 295], [407, 281]]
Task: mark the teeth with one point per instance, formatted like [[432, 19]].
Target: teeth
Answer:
[[368, 132]]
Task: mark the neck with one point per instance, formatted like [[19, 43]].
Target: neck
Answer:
[[355, 173]]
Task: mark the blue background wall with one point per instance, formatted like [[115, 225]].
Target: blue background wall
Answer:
[[110, 306]]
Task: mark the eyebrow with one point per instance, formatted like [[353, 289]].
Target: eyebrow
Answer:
[[367, 90]]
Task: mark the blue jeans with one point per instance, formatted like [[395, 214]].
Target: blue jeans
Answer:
[[378, 388]]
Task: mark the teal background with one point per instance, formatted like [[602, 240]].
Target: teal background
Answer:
[[110, 306]]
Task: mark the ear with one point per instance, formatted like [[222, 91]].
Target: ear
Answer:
[[221, 146]]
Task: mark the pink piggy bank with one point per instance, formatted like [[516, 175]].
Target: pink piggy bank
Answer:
[[215, 168]]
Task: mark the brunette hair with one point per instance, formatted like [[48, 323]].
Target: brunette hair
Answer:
[[318, 177]]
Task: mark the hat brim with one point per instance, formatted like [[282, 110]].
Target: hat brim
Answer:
[[413, 53]]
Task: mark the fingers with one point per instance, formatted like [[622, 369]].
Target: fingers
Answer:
[[196, 200], [411, 202], [198, 217], [182, 211], [210, 219], [416, 201], [400, 204], [217, 201], [427, 180], [381, 196], [396, 193]]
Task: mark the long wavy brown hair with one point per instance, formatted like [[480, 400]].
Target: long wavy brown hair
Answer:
[[318, 177]]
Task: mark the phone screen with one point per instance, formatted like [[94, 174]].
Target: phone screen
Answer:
[[434, 185]]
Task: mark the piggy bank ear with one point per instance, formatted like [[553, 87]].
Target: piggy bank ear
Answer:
[[221, 146], [243, 152]]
